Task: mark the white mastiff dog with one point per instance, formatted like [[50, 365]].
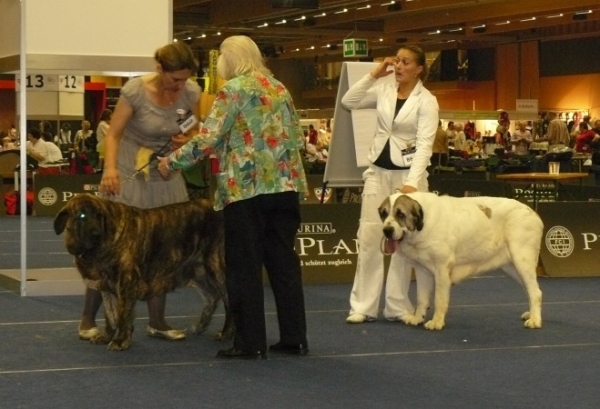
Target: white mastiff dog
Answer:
[[456, 238]]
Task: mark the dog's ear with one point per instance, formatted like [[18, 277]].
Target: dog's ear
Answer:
[[384, 209], [60, 221], [410, 210], [417, 213]]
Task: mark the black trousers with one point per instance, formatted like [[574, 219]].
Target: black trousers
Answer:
[[262, 231]]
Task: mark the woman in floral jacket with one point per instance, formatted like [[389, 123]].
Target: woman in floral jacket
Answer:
[[254, 130]]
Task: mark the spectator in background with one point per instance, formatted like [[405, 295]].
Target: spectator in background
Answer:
[[460, 139], [64, 135], [46, 126], [557, 135], [440, 147], [521, 139], [596, 128], [101, 132], [82, 135], [577, 129], [451, 133], [585, 138], [53, 150], [313, 135], [39, 149]]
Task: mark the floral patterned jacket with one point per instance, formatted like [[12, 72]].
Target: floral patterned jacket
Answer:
[[254, 131]]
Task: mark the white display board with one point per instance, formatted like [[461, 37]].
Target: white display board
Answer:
[[101, 28], [353, 132]]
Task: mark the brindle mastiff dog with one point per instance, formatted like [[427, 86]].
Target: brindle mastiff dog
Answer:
[[133, 254]]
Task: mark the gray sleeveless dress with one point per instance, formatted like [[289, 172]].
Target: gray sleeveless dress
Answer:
[[149, 129]]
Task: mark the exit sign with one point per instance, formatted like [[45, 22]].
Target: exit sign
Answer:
[[354, 47]]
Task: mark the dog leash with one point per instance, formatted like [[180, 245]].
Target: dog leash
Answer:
[[153, 158]]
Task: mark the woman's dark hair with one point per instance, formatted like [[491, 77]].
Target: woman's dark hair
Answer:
[[105, 116], [66, 126], [47, 136], [35, 133], [176, 56], [420, 58]]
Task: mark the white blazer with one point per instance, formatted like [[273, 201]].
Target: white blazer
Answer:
[[414, 126]]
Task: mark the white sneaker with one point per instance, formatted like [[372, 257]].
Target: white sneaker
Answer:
[[357, 318]]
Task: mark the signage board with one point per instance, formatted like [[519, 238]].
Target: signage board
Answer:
[[571, 240], [52, 192], [355, 47], [327, 243], [35, 82]]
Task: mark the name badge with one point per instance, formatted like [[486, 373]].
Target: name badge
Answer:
[[187, 122], [408, 155]]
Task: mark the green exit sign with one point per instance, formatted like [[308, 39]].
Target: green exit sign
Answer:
[[354, 47]]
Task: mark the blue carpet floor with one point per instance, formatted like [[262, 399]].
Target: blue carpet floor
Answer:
[[483, 359]]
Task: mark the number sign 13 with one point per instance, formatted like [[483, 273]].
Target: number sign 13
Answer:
[[51, 83]]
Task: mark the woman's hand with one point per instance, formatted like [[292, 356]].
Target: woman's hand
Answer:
[[382, 69], [110, 183], [407, 189], [163, 168], [177, 141]]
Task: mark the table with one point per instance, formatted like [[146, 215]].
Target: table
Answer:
[[534, 178]]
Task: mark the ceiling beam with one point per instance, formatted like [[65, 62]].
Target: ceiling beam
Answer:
[[478, 13]]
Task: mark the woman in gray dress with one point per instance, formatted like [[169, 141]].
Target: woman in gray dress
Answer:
[[145, 125]]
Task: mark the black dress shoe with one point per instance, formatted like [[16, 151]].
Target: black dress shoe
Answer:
[[292, 349], [233, 353]]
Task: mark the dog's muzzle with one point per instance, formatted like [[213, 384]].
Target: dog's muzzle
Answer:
[[389, 246]]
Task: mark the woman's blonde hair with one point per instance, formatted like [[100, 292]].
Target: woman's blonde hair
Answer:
[[239, 55]]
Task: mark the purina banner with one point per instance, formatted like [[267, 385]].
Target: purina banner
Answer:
[[326, 242], [52, 192], [571, 241]]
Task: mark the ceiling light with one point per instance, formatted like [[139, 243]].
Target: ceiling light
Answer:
[[434, 32], [388, 3], [321, 15], [300, 18], [312, 47], [282, 21], [263, 25], [341, 11], [479, 29], [555, 15], [368, 6], [455, 30], [326, 46], [584, 12], [528, 19], [202, 35], [504, 23]]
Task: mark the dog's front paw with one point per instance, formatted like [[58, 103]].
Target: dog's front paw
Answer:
[[531, 322], [435, 324], [101, 338], [412, 319], [119, 345]]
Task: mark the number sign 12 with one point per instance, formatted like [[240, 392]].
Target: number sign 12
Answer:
[[51, 83]]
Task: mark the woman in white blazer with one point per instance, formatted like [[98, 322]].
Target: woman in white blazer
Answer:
[[407, 120]]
